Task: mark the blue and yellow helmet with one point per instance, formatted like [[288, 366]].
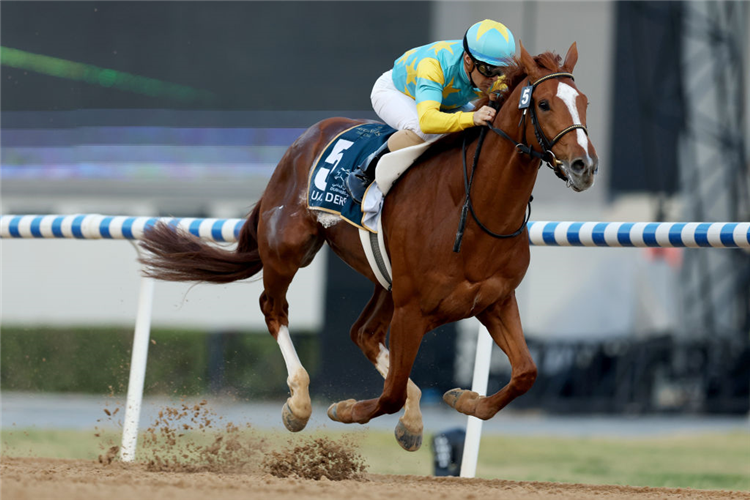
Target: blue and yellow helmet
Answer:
[[490, 42]]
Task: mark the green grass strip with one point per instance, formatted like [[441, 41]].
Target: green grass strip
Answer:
[[715, 461]]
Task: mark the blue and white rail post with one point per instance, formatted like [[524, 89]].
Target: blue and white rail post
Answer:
[[137, 376], [586, 234], [479, 385]]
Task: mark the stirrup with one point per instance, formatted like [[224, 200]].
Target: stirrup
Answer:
[[361, 177], [356, 184]]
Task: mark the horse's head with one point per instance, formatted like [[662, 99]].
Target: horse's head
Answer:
[[557, 111]]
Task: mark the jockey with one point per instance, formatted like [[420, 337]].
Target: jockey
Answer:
[[429, 90]]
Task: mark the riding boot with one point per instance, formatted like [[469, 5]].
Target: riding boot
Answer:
[[362, 176]]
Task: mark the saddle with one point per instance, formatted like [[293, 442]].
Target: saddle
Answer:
[[327, 192]]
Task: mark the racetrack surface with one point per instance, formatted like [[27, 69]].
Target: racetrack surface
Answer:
[[41, 478]]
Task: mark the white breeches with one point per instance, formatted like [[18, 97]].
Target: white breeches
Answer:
[[397, 109]]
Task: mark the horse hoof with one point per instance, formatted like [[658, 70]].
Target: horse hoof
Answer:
[[408, 440], [451, 397], [332, 412], [291, 422], [342, 411]]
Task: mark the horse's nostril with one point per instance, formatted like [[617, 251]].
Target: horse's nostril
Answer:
[[578, 166]]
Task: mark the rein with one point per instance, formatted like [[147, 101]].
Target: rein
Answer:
[[545, 155], [468, 207]]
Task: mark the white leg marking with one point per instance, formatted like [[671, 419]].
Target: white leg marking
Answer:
[[298, 380], [287, 350], [383, 361], [568, 95], [412, 414]]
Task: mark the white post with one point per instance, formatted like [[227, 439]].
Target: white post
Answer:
[[478, 385], [137, 370]]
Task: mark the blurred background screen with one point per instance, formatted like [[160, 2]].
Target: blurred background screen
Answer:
[[183, 90], [184, 108]]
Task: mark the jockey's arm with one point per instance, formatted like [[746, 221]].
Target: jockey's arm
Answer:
[[429, 96]]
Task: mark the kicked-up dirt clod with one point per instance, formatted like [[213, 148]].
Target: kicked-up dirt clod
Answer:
[[316, 459], [190, 438]]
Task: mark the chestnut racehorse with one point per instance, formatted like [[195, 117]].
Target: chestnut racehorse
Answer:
[[432, 284]]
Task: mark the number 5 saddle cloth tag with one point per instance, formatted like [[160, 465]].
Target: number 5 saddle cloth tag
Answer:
[[327, 183]]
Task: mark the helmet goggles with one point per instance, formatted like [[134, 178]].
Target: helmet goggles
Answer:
[[486, 70]]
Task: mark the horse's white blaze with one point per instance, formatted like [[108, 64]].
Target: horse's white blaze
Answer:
[[287, 350], [568, 95]]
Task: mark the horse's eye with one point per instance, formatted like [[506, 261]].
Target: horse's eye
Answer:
[[544, 105]]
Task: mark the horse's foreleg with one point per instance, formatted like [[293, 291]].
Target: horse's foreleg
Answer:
[[407, 331], [369, 332], [504, 324]]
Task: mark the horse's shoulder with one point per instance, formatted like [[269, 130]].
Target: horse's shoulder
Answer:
[[450, 142]]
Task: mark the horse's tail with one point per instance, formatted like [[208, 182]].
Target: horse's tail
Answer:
[[173, 255]]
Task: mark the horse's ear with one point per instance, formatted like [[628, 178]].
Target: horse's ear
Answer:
[[571, 58], [528, 62]]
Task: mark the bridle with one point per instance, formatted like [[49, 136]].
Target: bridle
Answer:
[[546, 155]]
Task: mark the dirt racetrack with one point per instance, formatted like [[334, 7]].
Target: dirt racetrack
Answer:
[[41, 478]]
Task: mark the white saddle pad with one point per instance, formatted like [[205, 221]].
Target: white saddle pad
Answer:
[[392, 165], [389, 168]]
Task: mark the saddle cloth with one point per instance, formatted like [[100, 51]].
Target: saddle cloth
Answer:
[[327, 190], [327, 185]]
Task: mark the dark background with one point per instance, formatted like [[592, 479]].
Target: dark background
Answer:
[[649, 103], [253, 55]]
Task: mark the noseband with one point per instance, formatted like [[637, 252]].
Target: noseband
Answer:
[[546, 155], [526, 103]]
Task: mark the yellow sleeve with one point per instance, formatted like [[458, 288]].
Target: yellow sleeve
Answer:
[[429, 96], [433, 121]]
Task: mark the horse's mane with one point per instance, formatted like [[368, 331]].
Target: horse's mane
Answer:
[[515, 73]]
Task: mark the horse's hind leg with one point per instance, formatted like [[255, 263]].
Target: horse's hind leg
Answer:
[[504, 324], [286, 243], [369, 332], [407, 329], [409, 428], [298, 408]]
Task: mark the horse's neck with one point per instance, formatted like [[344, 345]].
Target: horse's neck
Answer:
[[504, 177]]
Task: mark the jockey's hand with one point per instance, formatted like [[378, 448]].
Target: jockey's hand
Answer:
[[484, 116]]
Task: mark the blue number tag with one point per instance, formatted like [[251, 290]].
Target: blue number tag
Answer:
[[525, 97]]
